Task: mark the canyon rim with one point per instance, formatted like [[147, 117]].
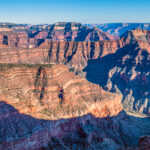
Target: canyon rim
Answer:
[[74, 86]]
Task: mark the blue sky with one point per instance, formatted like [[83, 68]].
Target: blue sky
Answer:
[[84, 11]]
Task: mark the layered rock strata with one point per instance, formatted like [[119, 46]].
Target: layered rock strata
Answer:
[[55, 92], [31, 93], [126, 71], [43, 104]]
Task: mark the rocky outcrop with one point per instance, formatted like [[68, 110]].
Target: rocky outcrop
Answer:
[[17, 39], [33, 36], [55, 93], [119, 64], [70, 31], [118, 29], [126, 71], [112, 30], [46, 106], [142, 37], [74, 32], [50, 93], [73, 54], [21, 131]]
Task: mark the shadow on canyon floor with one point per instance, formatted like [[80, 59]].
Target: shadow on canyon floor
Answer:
[[98, 69], [78, 132], [121, 64]]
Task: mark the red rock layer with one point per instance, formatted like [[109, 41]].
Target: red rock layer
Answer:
[[72, 32], [52, 93], [75, 54], [33, 37], [17, 39], [55, 93]]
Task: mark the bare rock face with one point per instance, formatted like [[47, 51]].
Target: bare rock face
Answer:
[[29, 94], [118, 66], [17, 39], [31, 37], [48, 107], [72, 32], [55, 93], [126, 71], [73, 54], [138, 35], [21, 131], [118, 29]]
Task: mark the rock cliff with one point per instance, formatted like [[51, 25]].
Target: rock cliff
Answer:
[[46, 106], [31, 37], [126, 71], [43, 103], [118, 29], [73, 54], [53, 92], [115, 65]]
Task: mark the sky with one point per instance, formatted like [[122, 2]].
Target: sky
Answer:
[[83, 11]]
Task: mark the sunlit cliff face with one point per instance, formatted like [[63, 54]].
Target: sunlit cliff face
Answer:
[[45, 105], [52, 92]]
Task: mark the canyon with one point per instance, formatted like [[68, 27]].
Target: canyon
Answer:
[[30, 37], [69, 86], [48, 107], [118, 29], [56, 98]]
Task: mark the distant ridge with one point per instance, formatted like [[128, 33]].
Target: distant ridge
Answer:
[[118, 29]]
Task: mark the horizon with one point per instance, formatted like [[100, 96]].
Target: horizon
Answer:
[[76, 22], [82, 11]]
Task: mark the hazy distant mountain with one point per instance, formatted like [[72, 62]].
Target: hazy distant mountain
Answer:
[[118, 29]]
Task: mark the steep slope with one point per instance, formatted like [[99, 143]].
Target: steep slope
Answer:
[[21, 39], [55, 91], [73, 54], [43, 104], [64, 31], [49, 92], [33, 36], [71, 31], [46, 106], [126, 71], [138, 35], [118, 29], [21, 131]]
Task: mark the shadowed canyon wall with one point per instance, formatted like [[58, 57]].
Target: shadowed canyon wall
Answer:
[[49, 92], [43, 105]]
